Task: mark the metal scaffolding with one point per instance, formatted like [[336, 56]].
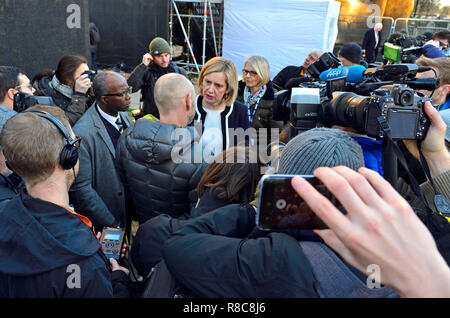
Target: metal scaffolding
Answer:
[[210, 12]]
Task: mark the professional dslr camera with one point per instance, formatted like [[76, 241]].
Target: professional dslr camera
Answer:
[[23, 101], [395, 107], [391, 105]]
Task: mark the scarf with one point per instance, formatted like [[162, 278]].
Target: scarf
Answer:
[[61, 88], [251, 101]]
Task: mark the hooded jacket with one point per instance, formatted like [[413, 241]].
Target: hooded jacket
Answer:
[[43, 247], [157, 182]]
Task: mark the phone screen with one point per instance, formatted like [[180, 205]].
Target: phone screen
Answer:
[[280, 207]]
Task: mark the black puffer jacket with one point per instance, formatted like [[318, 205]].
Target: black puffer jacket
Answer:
[[158, 184]]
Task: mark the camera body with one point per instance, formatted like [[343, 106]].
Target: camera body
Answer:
[[91, 74], [23, 101], [403, 111]]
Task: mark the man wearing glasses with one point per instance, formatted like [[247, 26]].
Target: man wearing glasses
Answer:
[[12, 81], [97, 191]]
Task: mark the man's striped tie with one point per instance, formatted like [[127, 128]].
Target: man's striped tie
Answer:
[[119, 124]]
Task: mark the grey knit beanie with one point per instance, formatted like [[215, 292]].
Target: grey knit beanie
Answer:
[[320, 147]]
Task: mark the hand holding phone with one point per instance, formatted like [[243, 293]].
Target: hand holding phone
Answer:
[[280, 207]]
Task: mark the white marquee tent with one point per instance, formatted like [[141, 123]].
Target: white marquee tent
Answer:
[[283, 31]]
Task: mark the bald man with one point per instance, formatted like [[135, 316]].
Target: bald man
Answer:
[[148, 153]]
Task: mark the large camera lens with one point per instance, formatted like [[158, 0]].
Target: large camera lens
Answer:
[[406, 98], [347, 109]]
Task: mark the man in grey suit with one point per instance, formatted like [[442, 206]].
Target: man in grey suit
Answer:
[[97, 191]]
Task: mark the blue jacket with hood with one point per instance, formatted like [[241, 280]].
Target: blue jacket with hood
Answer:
[[39, 242]]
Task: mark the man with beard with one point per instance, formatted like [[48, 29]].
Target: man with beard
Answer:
[[154, 64]]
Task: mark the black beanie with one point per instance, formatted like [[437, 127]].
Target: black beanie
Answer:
[[352, 52], [320, 147]]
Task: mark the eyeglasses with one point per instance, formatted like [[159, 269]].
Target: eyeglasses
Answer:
[[252, 73], [29, 86], [127, 92]]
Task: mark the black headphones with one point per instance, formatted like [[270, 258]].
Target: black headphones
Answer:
[[69, 154]]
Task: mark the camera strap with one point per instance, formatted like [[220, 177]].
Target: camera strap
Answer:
[[442, 205]]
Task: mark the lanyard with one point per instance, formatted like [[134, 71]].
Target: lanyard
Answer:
[[250, 100]]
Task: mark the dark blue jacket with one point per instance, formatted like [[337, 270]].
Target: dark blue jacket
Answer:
[[39, 242], [432, 52]]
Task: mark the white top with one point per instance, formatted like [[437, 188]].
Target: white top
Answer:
[[111, 119], [212, 135]]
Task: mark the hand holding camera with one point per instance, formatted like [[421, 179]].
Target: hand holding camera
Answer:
[[433, 146], [84, 82]]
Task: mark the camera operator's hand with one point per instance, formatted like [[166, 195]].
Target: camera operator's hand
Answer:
[[433, 146], [82, 84], [146, 59], [379, 228], [116, 267]]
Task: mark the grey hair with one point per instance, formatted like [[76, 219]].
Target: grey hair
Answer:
[[317, 52]]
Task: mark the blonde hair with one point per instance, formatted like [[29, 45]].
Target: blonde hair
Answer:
[[262, 68], [225, 66]]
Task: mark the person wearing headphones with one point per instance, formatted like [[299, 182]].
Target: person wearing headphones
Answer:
[[48, 250]]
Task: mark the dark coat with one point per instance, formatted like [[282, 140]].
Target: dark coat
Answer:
[[263, 116], [10, 186], [281, 79], [98, 192], [211, 256], [144, 78], [74, 108], [233, 117], [217, 255], [368, 44], [39, 242], [157, 184], [146, 250]]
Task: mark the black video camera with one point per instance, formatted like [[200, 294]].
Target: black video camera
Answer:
[[23, 101], [400, 48], [325, 62]]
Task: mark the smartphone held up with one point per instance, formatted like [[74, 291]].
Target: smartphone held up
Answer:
[[280, 207]]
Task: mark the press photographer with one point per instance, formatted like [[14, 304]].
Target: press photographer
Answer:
[[69, 86]]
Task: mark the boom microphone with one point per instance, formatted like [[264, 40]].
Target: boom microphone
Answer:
[[353, 74]]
